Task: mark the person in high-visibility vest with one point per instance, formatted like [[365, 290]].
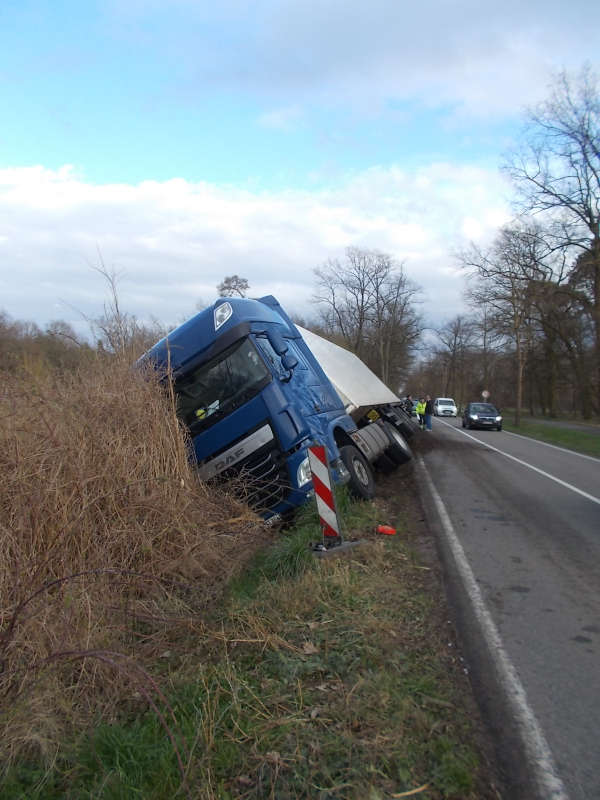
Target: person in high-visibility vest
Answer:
[[420, 409]]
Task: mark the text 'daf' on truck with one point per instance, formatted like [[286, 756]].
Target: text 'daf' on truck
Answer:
[[255, 391]]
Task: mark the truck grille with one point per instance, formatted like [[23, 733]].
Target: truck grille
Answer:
[[261, 479]]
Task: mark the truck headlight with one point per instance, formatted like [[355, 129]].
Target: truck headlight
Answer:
[[473, 416], [303, 475]]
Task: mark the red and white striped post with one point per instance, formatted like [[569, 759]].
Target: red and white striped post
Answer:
[[321, 476]]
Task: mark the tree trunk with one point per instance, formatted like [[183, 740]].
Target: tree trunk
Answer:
[[520, 368], [596, 279]]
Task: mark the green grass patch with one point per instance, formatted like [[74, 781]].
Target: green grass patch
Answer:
[[578, 440], [319, 679]]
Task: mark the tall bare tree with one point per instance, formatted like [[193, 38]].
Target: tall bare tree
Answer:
[[456, 338], [348, 290], [504, 278], [370, 306], [557, 174]]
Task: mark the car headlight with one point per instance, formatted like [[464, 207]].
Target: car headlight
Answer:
[[473, 416], [498, 419], [303, 475]]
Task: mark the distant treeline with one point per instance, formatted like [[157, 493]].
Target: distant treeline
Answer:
[[24, 344]]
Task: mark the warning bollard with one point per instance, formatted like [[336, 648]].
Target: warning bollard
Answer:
[[332, 543], [330, 525]]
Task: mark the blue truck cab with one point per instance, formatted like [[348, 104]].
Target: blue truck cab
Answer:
[[254, 398]]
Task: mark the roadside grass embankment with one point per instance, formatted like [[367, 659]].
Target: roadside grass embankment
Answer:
[[561, 435], [158, 642], [111, 549]]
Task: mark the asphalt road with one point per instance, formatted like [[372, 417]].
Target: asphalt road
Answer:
[[527, 516]]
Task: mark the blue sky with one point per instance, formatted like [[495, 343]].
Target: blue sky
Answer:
[[185, 142]]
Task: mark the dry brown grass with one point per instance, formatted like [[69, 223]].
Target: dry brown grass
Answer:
[[110, 548]]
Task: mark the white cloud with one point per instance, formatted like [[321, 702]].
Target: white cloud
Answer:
[[174, 241], [482, 58], [282, 119]]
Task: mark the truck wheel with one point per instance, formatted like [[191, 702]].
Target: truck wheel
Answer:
[[398, 451], [362, 482], [406, 428], [404, 424]]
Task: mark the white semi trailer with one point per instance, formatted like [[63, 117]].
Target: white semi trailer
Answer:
[[366, 399]]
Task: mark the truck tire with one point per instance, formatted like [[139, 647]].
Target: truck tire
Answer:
[[407, 429], [404, 424], [362, 482], [398, 451]]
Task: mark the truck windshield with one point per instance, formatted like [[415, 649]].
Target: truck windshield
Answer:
[[216, 388]]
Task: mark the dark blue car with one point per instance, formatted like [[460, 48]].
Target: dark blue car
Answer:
[[481, 415]]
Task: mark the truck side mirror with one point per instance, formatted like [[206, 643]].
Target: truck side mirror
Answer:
[[278, 343], [289, 362]]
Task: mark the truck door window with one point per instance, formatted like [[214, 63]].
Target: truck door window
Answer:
[[216, 388]]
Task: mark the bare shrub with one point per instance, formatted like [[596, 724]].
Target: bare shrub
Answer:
[[111, 547]]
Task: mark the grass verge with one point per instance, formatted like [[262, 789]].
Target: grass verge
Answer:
[[331, 678], [580, 441]]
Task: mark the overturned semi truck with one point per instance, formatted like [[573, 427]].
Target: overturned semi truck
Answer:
[[255, 391]]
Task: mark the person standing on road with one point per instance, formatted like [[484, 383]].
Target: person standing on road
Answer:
[[428, 412], [420, 409]]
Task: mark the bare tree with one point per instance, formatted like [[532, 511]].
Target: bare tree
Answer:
[[369, 306], [348, 291], [396, 326], [504, 278], [557, 174], [117, 331], [489, 343], [456, 337], [233, 286]]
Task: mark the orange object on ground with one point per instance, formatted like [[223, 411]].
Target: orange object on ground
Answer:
[[389, 531]]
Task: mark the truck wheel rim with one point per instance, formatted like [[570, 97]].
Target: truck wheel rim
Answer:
[[361, 472], [398, 439]]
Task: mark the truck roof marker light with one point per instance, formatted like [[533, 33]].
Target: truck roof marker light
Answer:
[[222, 314]]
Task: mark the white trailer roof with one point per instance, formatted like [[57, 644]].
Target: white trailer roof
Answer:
[[356, 385]]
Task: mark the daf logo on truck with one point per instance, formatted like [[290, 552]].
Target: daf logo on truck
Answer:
[[230, 457]]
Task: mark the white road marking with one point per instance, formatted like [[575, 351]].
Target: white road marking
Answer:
[[529, 466], [535, 746]]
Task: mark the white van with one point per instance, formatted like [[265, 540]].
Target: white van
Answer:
[[444, 407]]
